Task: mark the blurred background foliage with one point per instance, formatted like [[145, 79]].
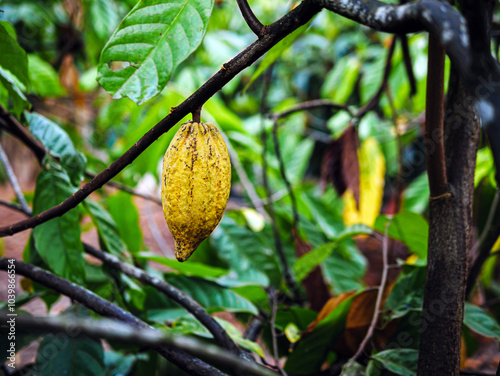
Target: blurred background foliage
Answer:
[[236, 269]]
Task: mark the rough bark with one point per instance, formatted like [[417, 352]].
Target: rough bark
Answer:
[[450, 219]]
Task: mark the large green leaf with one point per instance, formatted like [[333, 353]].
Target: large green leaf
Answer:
[[213, 297], [250, 257], [416, 195], [57, 141], [191, 269], [305, 264], [58, 240], [11, 93], [481, 322], [151, 41], [124, 213], [407, 293], [340, 82], [311, 351], [106, 228], [44, 79], [400, 361], [14, 58], [409, 228], [345, 268], [62, 355]]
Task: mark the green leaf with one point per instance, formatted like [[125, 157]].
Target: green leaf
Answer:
[[211, 296], [345, 268], [400, 361], [407, 293], [311, 351], [305, 264], [58, 240], [251, 259], [191, 269], [409, 228], [275, 52], [44, 78], [118, 364], [61, 355], [57, 141], [189, 325], [125, 215], [134, 294], [104, 16], [149, 44], [106, 228], [13, 57], [340, 81], [12, 96], [416, 195], [481, 322]]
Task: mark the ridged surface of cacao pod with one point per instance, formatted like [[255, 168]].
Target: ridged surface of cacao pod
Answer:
[[196, 181]]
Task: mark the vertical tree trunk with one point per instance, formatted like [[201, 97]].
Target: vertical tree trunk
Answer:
[[449, 240]]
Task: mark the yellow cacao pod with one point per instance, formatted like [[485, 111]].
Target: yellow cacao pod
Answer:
[[196, 181]]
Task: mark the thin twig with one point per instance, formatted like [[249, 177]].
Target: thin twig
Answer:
[[274, 33], [11, 125], [126, 189], [310, 105], [288, 185], [274, 307], [380, 293], [387, 70], [250, 18], [105, 308], [16, 207], [408, 64], [475, 373], [489, 222], [13, 179], [289, 280], [399, 177], [149, 337]]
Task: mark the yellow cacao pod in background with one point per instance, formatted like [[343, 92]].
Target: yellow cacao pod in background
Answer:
[[196, 181]]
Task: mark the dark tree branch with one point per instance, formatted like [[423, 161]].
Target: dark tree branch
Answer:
[[10, 123], [274, 33], [434, 107], [178, 296], [117, 331], [408, 65], [310, 105], [105, 308], [250, 18]]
